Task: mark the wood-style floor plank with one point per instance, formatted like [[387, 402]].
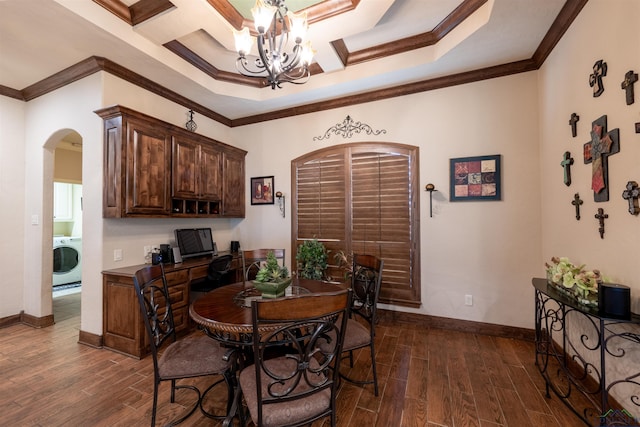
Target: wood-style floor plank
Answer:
[[427, 377]]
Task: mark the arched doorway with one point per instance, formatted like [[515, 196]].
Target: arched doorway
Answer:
[[66, 223]]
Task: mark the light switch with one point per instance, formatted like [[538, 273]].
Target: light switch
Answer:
[[35, 219]]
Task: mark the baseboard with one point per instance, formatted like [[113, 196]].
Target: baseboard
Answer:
[[36, 322], [10, 320], [89, 339], [457, 324]]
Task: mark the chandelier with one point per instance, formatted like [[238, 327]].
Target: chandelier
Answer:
[[275, 24]]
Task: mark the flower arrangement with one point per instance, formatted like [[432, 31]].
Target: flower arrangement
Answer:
[[574, 280]]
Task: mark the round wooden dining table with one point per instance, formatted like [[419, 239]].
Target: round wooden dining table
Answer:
[[225, 313]]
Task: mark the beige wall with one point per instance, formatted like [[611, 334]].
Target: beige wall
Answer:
[[487, 249], [564, 89]]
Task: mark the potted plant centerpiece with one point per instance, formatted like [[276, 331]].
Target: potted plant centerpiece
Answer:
[[312, 260], [272, 279]]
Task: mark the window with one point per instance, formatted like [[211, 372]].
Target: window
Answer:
[[362, 198]]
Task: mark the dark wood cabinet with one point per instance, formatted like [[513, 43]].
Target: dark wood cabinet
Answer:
[[155, 169], [233, 185], [122, 323]]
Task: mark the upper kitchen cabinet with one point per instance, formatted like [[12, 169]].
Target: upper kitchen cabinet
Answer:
[[155, 169]]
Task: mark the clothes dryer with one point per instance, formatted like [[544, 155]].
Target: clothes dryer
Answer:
[[67, 260]]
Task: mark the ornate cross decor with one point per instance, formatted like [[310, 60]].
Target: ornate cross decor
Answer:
[[573, 121], [631, 195], [601, 216], [191, 125], [566, 163], [347, 128], [577, 202], [602, 145], [627, 85], [595, 79]]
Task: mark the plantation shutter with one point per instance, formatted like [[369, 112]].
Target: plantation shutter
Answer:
[[361, 198], [381, 220], [321, 198]]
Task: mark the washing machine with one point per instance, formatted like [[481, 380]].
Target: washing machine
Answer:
[[67, 260]]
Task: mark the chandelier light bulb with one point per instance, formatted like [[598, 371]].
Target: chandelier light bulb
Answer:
[[263, 14], [243, 40], [299, 26]]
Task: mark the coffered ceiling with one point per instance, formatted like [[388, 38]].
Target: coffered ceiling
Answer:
[[184, 49]]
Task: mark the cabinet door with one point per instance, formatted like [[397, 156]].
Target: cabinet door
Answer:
[[210, 173], [148, 166], [185, 169], [233, 185], [62, 201]]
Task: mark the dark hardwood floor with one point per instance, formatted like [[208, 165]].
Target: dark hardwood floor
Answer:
[[428, 377]]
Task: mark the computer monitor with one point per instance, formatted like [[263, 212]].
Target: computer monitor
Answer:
[[194, 242]]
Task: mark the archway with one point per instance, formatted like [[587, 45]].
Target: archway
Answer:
[[62, 224]]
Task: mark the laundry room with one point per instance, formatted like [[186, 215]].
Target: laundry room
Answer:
[[67, 217]]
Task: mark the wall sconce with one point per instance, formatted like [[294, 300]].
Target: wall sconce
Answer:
[[281, 199], [430, 188]]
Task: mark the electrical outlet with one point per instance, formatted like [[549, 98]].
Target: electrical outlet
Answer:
[[147, 249], [468, 300], [117, 254]]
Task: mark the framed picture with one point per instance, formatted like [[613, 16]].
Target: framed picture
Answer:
[[475, 178], [262, 190]]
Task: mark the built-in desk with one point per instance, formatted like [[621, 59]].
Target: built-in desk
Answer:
[[580, 355], [122, 324]]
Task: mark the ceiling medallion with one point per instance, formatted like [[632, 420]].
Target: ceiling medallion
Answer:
[[275, 23], [347, 128]]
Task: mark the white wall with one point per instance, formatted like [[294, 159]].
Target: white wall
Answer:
[[487, 249], [12, 205]]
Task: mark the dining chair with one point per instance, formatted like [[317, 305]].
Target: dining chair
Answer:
[[365, 282], [252, 260], [299, 386], [194, 356]]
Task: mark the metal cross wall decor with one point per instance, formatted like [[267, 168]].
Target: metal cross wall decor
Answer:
[[602, 145], [566, 163], [627, 85], [601, 216], [631, 195], [347, 128], [595, 79], [577, 202], [573, 122]]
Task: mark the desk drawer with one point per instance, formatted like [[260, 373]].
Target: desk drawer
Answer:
[[199, 272], [177, 277], [179, 295]]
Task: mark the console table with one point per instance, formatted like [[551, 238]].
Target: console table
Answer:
[[579, 352]]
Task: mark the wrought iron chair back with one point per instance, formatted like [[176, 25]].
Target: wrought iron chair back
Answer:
[[252, 260], [300, 386]]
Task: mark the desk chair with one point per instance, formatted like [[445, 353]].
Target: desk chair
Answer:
[[300, 386], [194, 356], [366, 280], [252, 261]]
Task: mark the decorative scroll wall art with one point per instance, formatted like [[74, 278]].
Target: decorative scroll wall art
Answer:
[[475, 178], [347, 128]]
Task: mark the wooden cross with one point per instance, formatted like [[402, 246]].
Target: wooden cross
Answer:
[[602, 145], [601, 216], [627, 85], [573, 121], [577, 202], [631, 195], [566, 163], [595, 79]]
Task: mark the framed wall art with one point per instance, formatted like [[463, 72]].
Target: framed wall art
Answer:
[[262, 190], [475, 178]]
